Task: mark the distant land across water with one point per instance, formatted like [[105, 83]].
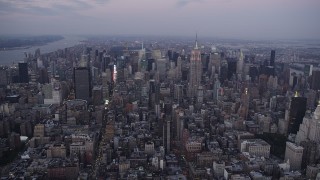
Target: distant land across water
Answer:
[[16, 54], [16, 42]]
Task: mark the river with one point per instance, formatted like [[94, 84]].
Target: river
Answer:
[[9, 56]]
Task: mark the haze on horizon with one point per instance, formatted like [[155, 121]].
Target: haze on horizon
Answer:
[[243, 19]]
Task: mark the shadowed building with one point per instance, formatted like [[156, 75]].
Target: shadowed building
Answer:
[[82, 83], [296, 113], [23, 73]]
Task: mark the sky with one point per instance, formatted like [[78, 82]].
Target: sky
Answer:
[[242, 19]]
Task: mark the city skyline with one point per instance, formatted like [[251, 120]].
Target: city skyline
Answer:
[[247, 19]]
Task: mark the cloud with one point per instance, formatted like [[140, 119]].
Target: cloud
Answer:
[[46, 8], [183, 3]]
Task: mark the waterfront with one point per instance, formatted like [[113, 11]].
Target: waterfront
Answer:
[[13, 56]]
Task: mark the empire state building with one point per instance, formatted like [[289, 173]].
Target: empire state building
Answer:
[[195, 71]]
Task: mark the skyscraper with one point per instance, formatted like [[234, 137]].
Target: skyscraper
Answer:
[[121, 65], [315, 78], [195, 70], [3, 77], [23, 73], [178, 69], [82, 83], [296, 113], [240, 62], [310, 128], [273, 57], [166, 135], [216, 89], [214, 63]]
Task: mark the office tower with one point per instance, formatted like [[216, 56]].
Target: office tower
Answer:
[[170, 55], [121, 64], [309, 153], [294, 154], [273, 57], [82, 83], [297, 111], [214, 63], [224, 71], [142, 61], [105, 62], [178, 92], [179, 124], [178, 69], [3, 77], [152, 90], [166, 135], [200, 94], [195, 70], [240, 62], [162, 68], [311, 96], [84, 61], [151, 64], [315, 80], [106, 79], [23, 73], [308, 68], [205, 62], [244, 108], [97, 96], [232, 68], [253, 73], [43, 76], [216, 89]]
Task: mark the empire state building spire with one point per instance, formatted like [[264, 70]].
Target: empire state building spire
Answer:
[[196, 46]]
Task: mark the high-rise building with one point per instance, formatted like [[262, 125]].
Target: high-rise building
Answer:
[[315, 79], [214, 63], [253, 73], [82, 83], [167, 135], [23, 73], [224, 71], [178, 69], [244, 107], [309, 153], [162, 68], [232, 68], [105, 62], [121, 65], [294, 155], [216, 89], [179, 124], [310, 128], [297, 111], [240, 63], [195, 70], [106, 79], [273, 57], [200, 94], [178, 92], [3, 77]]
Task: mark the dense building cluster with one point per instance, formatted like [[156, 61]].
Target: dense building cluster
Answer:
[[117, 110]]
